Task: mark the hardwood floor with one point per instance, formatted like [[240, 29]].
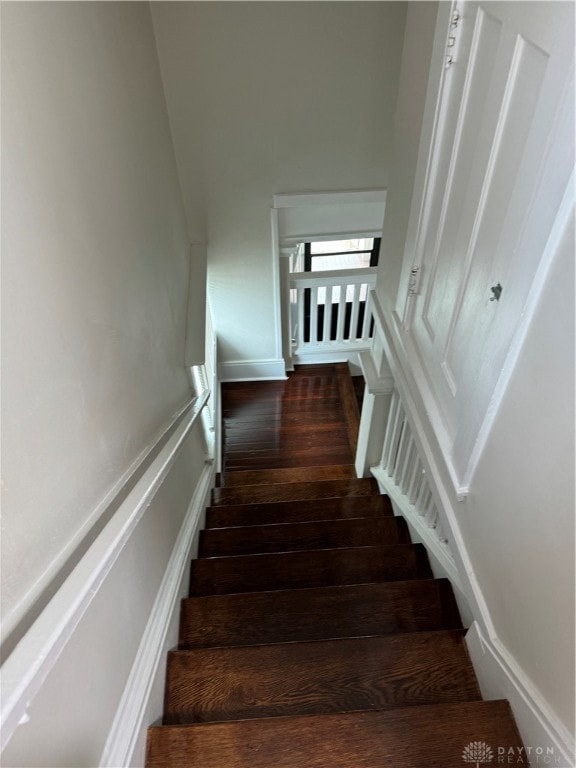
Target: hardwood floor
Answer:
[[314, 634]]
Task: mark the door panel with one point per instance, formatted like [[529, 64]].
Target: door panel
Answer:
[[501, 160]]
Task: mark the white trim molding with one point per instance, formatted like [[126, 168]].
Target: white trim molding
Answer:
[[38, 589], [252, 370], [499, 676], [344, 197], [138, 707], [375, 384], [26, 669], [336, 354]]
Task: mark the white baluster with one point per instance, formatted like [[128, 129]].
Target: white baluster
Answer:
[[422, 498], [394, 438], [401, 452], [341, 313], [415, 477], [367, 316], [394, 405], [327, 315], [441, 534], [407, 462], [314, 315], [300, 325], [431, 513], [353, 335]]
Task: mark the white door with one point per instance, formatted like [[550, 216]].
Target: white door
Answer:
[[498, 168]]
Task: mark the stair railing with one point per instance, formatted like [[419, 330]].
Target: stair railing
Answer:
[[205, 380], [406, 470], [402, 475], [332, 310], [401, 468]]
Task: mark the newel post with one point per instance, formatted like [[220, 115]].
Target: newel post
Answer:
[[379, 386]]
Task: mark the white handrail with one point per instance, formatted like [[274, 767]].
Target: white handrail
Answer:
[[334, 277], [26, 669]]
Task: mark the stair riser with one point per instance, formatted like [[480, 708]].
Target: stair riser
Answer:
[[312, 678], [329, 534], [284, 461], [317, 614], [289, 475], [297, 491], [410, 737], [317, 568], [297, 512]]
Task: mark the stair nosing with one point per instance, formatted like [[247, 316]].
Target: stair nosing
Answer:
[[306, 522], [339, 550], [392, 637], [441, 579]]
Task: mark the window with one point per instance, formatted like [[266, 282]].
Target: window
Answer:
[[336, 256], [322, 256]]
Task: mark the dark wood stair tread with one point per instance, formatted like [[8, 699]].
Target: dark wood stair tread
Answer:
[[212, 684], [323, 534], [298, 416], [314, 637], [319, 613], [270, 439], [280, 427], [285, 460], [289, 475], [309, 568], [270, 513], [315, 489], [432, 736]]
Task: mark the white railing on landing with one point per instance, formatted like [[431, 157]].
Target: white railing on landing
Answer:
[[344, 299]]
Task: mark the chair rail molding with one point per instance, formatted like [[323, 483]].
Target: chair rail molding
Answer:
[[23, 673], [126, 741]]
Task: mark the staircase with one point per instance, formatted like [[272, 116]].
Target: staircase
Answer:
[[315, 635]]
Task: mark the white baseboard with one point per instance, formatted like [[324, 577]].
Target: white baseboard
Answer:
[[141, 702], [272, 369], [350, 356], [500, 677]]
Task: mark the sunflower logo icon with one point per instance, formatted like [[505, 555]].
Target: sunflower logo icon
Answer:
[[478, 753]]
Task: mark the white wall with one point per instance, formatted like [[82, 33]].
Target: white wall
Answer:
[[292, 97], [69, 721], [517, 523], [96, 270], [95, 274], [416, 53]]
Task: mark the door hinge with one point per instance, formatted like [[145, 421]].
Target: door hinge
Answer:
[[414, 281], [451, 42]]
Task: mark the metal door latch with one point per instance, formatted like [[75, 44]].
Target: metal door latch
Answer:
[[496, 292]]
